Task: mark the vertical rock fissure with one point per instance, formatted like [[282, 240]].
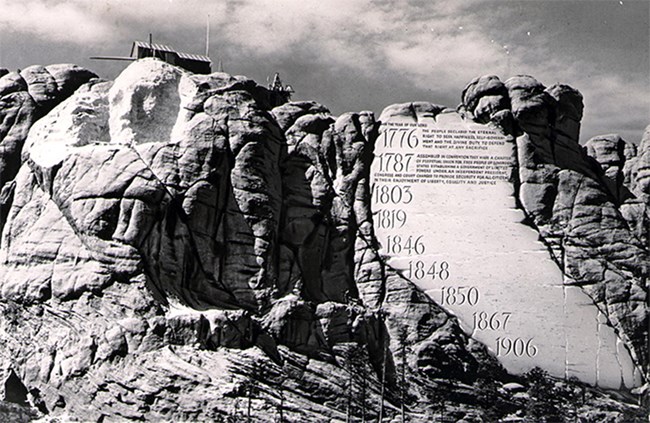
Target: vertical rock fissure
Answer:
[[232, 302]]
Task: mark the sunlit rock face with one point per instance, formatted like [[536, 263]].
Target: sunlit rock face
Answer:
[[174, 247], [25, 96], [171, 239], [619, 160], [533, 241], [579, 208], [131, 186]]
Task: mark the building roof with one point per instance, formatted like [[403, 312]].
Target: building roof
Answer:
[[197, 57], [168, 49]]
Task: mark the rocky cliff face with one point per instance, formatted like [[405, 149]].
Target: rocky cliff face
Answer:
[[577, 198], [25, 96], [165, 229], [175, 248]]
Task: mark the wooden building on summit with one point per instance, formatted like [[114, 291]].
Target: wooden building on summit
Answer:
[[194, 63]]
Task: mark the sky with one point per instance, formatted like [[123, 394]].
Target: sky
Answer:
[[353, 55]]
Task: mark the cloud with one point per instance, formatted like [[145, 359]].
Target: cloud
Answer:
[[98, 22], [335, 31], [55, 21], [439, 62], [435, 46], [614, 104], [421, 40]]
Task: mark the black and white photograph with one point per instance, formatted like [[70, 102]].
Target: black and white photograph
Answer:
[[361, 211]]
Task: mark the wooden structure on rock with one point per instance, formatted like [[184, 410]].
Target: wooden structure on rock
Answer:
[[195, 63]]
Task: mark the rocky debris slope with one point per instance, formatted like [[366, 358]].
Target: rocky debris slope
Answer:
[[588, 204], [176, 249]]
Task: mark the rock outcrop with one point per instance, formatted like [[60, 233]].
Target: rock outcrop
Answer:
[[25, 96], [639, 167], [594, 226], [174, 247], [170, 237]]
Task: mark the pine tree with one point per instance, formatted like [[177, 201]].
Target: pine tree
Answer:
[[356, 359], [541, 405], [403, 335]]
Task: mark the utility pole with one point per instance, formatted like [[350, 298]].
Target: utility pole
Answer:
[[207, 36], [350, 362], [402, 342], [281, 402], [363, 397]]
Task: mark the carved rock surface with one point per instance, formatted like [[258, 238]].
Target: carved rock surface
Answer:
[[24, 98], [173, 243], [594, 226]]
